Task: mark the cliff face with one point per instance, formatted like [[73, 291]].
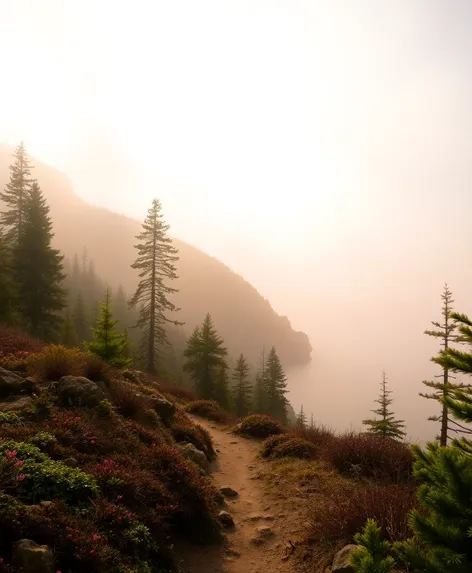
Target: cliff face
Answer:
[[242, 315]]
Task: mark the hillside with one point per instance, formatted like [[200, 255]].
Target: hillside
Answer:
[[243, 316]]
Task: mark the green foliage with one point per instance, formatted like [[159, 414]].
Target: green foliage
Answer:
[[107, 343], [386, 426], [10, 418], [56, 361], [43, 440], [446, 333], [38, 270], [104, 409], [276, 384], [372, 555], [222, 392], [260, 426], [242, 389], [156, 265], [205, 356]]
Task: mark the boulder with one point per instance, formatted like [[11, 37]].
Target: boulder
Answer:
[[15, 403], [29, 557], [261, 534], [226, 519], [191, 452], [163, 407], [79, 391], [342, 560], [138, 377], [12, 384], [228, 491]]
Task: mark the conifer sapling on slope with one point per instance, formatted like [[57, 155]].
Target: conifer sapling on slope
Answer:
[[372, 554], [300, 422], [107, 343], [205, 355], [242, 389], [15, 195], [38, 270], [276, 383], [386, 425], [156, 265], [446, 332]]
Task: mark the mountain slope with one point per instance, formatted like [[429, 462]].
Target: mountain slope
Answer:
[[243, 317]]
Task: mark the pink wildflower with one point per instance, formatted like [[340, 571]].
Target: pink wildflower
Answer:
[[20, 477]]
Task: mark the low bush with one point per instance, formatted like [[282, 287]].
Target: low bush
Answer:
[[127, 401], [295, 448], [183, 430], [210, 410], [44, 441], [13, 341], [260, 426], [320, 436], [364, 455], [96, 369], [56, 361], [16, 361], [104, 409], [271, 443], [10, 418]]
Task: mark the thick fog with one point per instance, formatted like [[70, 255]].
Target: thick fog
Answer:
[[319, 148]]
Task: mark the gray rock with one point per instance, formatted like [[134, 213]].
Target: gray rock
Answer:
[[262, 533], [29, 557], [71, 462], [191, 452], [79, 391], [46, 504], [226, 519], [163, 407], [138, 377], [342, 560], [228, 491], [12, 384], [15, 403]]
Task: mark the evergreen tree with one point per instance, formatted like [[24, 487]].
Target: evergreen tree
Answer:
[[241, 388], [301, 419], [15, 196], [69, 335], [38, 270], [156, 265], [260, 395], [312, 421], [386, 426], [371, 556], [445, 331], [276, 383], [79, 318], [222, 391], [205, 355], [107, 343], [6, 286]]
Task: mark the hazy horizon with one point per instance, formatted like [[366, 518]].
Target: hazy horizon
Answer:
[[319, 149]]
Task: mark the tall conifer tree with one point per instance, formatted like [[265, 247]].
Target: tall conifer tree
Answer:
[[15, 195], [386, 425], [6, 285], [242, 390], [156, 265], [445, 331], [276, 383], [38, 270], [260, 396]]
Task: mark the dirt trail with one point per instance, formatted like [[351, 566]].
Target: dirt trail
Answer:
[[237, 466]]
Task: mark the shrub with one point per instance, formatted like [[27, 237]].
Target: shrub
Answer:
[[126, 400], [16, 361], [10, 418], [96, 369], [13, 341], [319, 436], [183, 430], [260, 426], [104, 409], [271, 443], [56, 361], [44, 441], [364, 455], [182, 395], [210, 410], [295, 448]]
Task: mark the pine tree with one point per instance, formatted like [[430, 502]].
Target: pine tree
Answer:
[[156, 265], [372, 556], [260, 395], [79, 318], [107, 343], [446, 332], [38, 270], [301, 419], [69, 335], [16, 195], [6, 286], [386, 426], [205, 355], [222, 391], [241, 388], [276, 383]]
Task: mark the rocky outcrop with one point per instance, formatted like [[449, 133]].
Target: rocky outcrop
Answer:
[[12, 384], [163, 407], [342, 560], [191, 452], [78, 391], [29, 557], [15, 403], [139, 377]]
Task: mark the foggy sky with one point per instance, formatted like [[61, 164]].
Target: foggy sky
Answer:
[[319, 148]]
